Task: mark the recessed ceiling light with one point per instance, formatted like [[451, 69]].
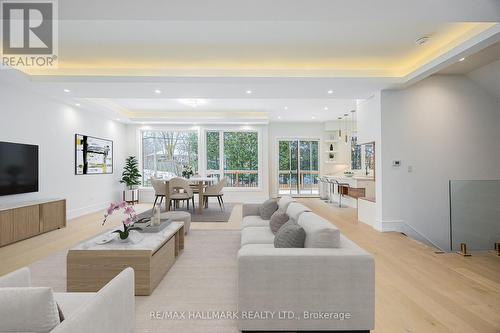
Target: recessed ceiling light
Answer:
[[67, 90], [192, 102], [422, 40], [77, 104], [461, 59], [325, 108], [313, 117], [248, 91], [330, 92], [286, 107], [157, 91], [279, 117]]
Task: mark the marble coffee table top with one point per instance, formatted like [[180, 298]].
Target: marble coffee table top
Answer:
[[138, 241]]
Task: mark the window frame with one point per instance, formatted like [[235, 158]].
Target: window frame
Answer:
[[276, 166], [221, 132], [202, 149], [140, 141]]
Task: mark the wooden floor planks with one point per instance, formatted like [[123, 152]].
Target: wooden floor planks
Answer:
[[416, 289]]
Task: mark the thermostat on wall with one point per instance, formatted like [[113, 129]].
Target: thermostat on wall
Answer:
[[396, 163]]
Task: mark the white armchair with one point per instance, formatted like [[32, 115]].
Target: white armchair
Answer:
[[110, 310]]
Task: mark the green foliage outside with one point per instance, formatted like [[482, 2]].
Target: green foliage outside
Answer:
[[213, 151], [241, 151]]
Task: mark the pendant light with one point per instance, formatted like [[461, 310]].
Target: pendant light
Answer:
[[354, 130], [340, 128], [346, 135]]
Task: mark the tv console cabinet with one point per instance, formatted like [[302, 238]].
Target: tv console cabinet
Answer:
[[23, 220]]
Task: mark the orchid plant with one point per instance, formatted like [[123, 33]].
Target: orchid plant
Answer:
[[128, 221]]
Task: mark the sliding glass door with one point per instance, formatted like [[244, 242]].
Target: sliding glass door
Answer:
[[298, 162]]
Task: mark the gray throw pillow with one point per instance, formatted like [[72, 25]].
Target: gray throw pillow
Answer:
[[278, 218], [267, 209], [290, 235]]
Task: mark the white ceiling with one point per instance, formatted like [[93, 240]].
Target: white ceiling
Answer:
[[157, 47], [279, 10], [266, 109], [114, 54], [474, 61]]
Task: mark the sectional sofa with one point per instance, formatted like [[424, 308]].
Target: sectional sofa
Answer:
[[327, 285]]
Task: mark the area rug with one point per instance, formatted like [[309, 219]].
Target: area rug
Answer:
[[204, 278], [211, 214]]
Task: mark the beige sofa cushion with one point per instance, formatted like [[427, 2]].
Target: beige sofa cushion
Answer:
[[28, 309], [257, 235], [295, 209], [254, 221], [283, 202], [319, 232]]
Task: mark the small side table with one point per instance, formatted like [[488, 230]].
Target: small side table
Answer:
[[131, 196]]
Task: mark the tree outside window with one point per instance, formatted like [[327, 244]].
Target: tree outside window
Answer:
[[166, 152], [239, 154]]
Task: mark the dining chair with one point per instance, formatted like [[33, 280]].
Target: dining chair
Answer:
[[180, 191], [195, 187], [160, 189], [215, 191]]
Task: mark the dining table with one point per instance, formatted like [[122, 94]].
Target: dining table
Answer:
[[199, 183]]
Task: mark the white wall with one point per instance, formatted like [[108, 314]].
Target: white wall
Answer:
[[444, 127], [247, 195], [29, 118], [369, 119], [369, 126], [488, 78]]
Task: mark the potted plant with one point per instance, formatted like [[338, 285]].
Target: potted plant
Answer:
[[131, 178], [128, 221], [187, 171], [348, 173]]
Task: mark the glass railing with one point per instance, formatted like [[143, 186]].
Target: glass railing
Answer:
[[474, 214]]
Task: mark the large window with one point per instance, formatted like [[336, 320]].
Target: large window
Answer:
[[165, 153], [234, 155], [355, 153], [298, 162]]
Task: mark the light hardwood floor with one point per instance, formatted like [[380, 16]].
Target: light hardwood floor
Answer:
[[416, 289]]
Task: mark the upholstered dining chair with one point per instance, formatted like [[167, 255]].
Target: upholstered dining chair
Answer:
[[160, 189], [215, 191], [180, 191]]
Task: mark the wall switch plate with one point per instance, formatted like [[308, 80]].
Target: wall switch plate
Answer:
[[396, 163]]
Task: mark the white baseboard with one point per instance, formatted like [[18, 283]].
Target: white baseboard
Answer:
[[74, 213], [386, 226], [415, 234]]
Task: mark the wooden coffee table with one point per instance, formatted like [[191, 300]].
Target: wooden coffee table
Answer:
[[90, 266]]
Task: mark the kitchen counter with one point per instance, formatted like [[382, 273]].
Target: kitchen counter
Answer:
[[359, 186]]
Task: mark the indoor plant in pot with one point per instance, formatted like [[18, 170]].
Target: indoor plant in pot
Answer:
[[128, 222], [187, 171], [131, 178]]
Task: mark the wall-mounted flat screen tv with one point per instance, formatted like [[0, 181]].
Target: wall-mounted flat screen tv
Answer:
[[18, 168]]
